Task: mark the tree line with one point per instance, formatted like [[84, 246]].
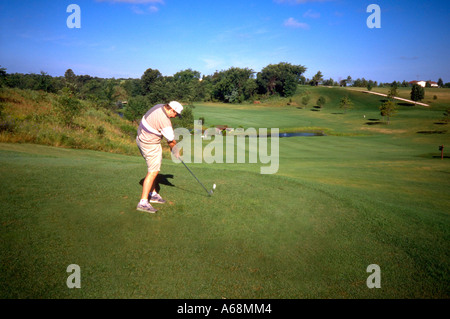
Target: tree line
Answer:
[[234, 85]]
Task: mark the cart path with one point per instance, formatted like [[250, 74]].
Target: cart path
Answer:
[[397, 98]]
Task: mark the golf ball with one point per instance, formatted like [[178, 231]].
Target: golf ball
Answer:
[[214, 186]]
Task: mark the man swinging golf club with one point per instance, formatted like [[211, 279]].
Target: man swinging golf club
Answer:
[[155, 125]]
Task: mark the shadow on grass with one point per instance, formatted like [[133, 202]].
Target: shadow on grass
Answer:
[[161, 179], [374, 122], [432, 132], [399, 103], [434, 156]]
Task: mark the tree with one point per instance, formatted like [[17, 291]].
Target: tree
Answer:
[[321, 101], [345, 82], [250, 88], [69, 75], [69, 107], [388, 109], [330, 82], [349, 80], [187, 75], [393, 92], [186, 120], [440, 83], [305, 100], [70, 80], [232, 85], [92, 90], [133, 87], [149, 79], [44, 82], [417, 93], [345, 103], [187, 86], [136, 108], [317, 79], [2, 76], [281, 78]]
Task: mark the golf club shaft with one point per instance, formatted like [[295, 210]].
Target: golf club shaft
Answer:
[[194, 176]]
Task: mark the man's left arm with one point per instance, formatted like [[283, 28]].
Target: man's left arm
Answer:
[[174, 150], [169, 134]]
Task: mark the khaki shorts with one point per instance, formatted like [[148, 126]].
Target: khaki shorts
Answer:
[[152, 153]]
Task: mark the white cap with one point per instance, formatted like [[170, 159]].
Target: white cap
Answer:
[[176, 106]]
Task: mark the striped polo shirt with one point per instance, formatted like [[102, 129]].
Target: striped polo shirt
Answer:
[[154, 125]]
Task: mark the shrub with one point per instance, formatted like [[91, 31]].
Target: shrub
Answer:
[[129, 130], [321, 101], [101, 131], [305, 100], [136, 108], [68, 107], [186, 120], [7, 124]]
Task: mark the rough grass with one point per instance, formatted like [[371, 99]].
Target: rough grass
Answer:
[[31, 117]]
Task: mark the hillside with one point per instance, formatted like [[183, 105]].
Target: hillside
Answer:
[[28, 116]]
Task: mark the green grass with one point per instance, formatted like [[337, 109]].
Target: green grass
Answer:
[[365, 194]]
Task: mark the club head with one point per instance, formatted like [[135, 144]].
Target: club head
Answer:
[[212, 190]]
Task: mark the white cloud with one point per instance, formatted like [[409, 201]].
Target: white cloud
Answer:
[[311, 14], [139, 10], [292, 23], [139, 6]]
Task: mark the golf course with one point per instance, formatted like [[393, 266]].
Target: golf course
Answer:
[[365, 193]]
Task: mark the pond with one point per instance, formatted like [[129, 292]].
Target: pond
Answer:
[[301, 134]]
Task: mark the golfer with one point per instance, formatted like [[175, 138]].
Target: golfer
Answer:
[[153, 127]]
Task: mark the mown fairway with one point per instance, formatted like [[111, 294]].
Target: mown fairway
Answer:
[[364, 194]]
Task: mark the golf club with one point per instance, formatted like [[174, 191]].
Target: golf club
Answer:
[[214, 186]]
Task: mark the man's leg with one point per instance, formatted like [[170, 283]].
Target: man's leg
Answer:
[[144, 205], [148, 184], [153, 156]]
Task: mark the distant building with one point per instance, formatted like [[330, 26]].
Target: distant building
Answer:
[[424, 83]]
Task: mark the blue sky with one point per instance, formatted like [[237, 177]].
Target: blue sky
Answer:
[[122, 38]]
